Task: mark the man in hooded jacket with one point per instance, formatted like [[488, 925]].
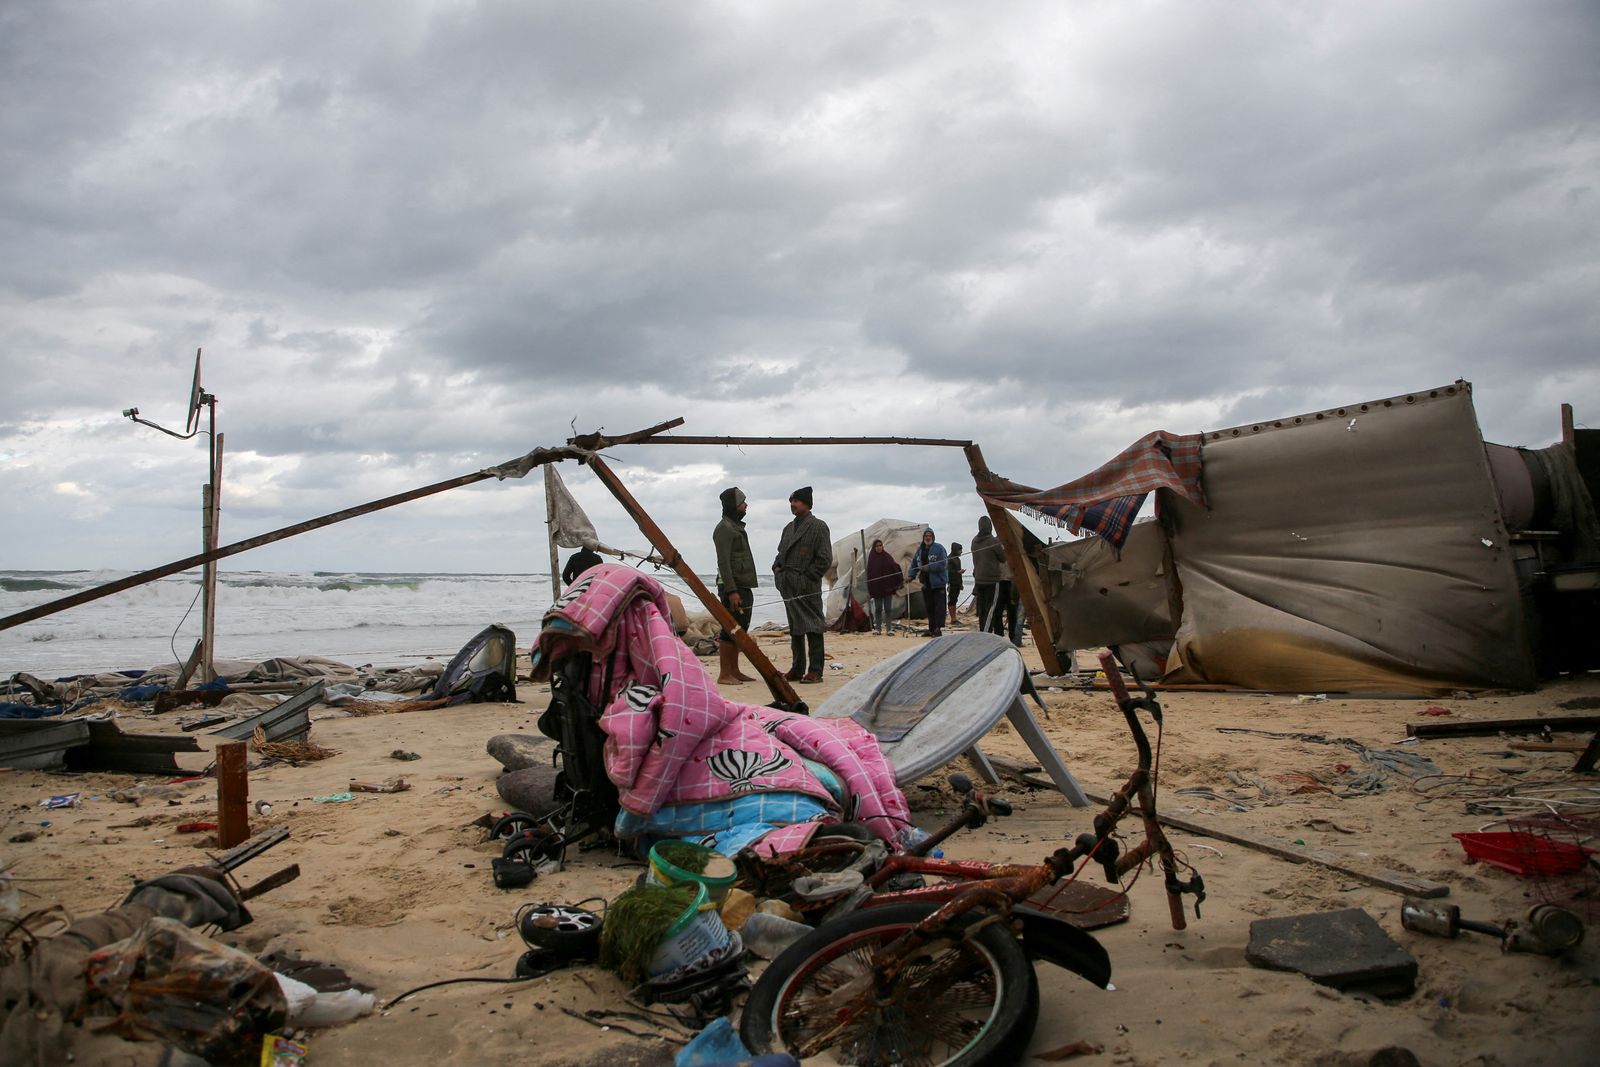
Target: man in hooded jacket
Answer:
[[931, 562], [805, 550], [988, 558], [736, 578]]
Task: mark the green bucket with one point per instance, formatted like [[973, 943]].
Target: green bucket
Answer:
[[664, 872]]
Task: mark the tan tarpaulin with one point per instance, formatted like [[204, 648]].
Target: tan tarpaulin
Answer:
[[1355, 549], [1098, 598]]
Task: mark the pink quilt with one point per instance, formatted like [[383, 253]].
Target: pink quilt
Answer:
[[673, 739]]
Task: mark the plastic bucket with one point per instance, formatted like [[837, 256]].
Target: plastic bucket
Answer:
[[693, 936], [664, 872]]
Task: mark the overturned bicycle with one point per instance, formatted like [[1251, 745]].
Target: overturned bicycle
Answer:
[[898, 973]]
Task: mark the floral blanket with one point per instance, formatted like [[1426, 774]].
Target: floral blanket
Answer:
[[672, 739]]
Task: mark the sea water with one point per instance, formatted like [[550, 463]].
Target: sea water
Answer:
[[388, 620]]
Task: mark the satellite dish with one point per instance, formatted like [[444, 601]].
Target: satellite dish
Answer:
[[192, 421]]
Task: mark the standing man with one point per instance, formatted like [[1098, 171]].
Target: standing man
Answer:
[[956, 573], [736, 578], [930, 562], [987, 557], [804, 552]]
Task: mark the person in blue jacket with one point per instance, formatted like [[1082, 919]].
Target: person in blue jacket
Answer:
[[930, 561]]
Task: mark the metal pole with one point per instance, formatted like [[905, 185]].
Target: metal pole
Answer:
[[539, 457], [776, 682], [208, 576], [550, 530]]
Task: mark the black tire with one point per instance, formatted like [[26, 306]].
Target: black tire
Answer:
[[513, 823], [533, 847], [570, 933], [964, 1006]]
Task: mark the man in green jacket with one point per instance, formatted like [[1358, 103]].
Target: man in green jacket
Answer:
[[736, 578], [804, 551]]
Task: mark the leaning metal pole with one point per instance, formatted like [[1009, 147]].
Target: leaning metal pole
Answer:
[[782, 692]]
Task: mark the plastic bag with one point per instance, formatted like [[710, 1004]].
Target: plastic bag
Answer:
[[173, 985]]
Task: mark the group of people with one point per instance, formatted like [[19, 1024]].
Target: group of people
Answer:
[[940, 575], [805, 551]]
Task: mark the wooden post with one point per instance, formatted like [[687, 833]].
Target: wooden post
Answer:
[[1568, 435], [1022, 571], [776, 682], [233, 794], [550, 530]]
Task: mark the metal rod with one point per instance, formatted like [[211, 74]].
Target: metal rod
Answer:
[[714, 440], [776, 682], [541, 457]]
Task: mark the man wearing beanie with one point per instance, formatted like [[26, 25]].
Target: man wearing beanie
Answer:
[[804, 552], [736, 578]]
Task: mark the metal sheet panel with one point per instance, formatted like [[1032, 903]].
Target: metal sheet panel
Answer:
[[1355, 549]]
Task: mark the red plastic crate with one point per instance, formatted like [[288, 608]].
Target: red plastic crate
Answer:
[[1522, 853]]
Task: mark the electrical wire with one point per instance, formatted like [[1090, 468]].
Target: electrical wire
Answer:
[[172, 642]]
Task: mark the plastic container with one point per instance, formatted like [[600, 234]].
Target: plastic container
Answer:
[[693, 936], [766, 935], [664, 872], [1522, 853]]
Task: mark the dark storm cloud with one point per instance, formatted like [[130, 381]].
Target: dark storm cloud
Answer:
[[419, 238]]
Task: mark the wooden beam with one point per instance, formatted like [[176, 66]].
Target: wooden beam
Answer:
[[1569, 435], [776, 682], [1022, 570], [1484, 727], [233, 794], [1394, 881]]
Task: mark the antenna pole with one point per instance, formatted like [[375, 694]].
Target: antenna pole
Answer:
[[211, 530]]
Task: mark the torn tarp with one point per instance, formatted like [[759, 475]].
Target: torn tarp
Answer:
[[1106, 500]]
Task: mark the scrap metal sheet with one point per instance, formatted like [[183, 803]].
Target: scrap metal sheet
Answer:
[[1354, 549]]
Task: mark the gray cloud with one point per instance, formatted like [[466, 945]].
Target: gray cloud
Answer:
[[419, 238]]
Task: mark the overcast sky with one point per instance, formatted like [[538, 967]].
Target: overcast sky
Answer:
[[418, 238]]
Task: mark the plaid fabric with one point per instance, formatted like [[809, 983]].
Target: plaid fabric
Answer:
[[1105, 501]]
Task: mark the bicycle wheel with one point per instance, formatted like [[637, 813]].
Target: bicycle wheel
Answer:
[[955, 1004]]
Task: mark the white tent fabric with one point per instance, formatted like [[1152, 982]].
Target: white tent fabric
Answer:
[[568, 523], [849, 569]]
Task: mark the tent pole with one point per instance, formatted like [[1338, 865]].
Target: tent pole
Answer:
[[776, 682], [1022, 570], [540, 457], [550, 531]]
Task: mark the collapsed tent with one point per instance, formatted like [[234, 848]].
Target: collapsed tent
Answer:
[[847, 575], [1360, 548]]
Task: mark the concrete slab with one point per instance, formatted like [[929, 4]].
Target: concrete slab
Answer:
[[1345, 950]]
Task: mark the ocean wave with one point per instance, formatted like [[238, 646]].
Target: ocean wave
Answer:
[[28, 585]]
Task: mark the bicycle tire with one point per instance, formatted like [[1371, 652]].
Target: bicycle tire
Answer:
[[964, 1005]]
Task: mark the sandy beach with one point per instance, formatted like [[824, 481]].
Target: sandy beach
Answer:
[[396, 888]]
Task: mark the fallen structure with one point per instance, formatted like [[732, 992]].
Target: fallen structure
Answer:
[[1375, 547]]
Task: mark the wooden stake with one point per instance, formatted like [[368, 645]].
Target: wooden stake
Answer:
[[776, 682], [233, 794]]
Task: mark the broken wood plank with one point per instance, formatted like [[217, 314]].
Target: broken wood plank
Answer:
[[1394, 881], [1547, 746], [238, 857], [233, 793], [271, 882], [1483, 727]]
